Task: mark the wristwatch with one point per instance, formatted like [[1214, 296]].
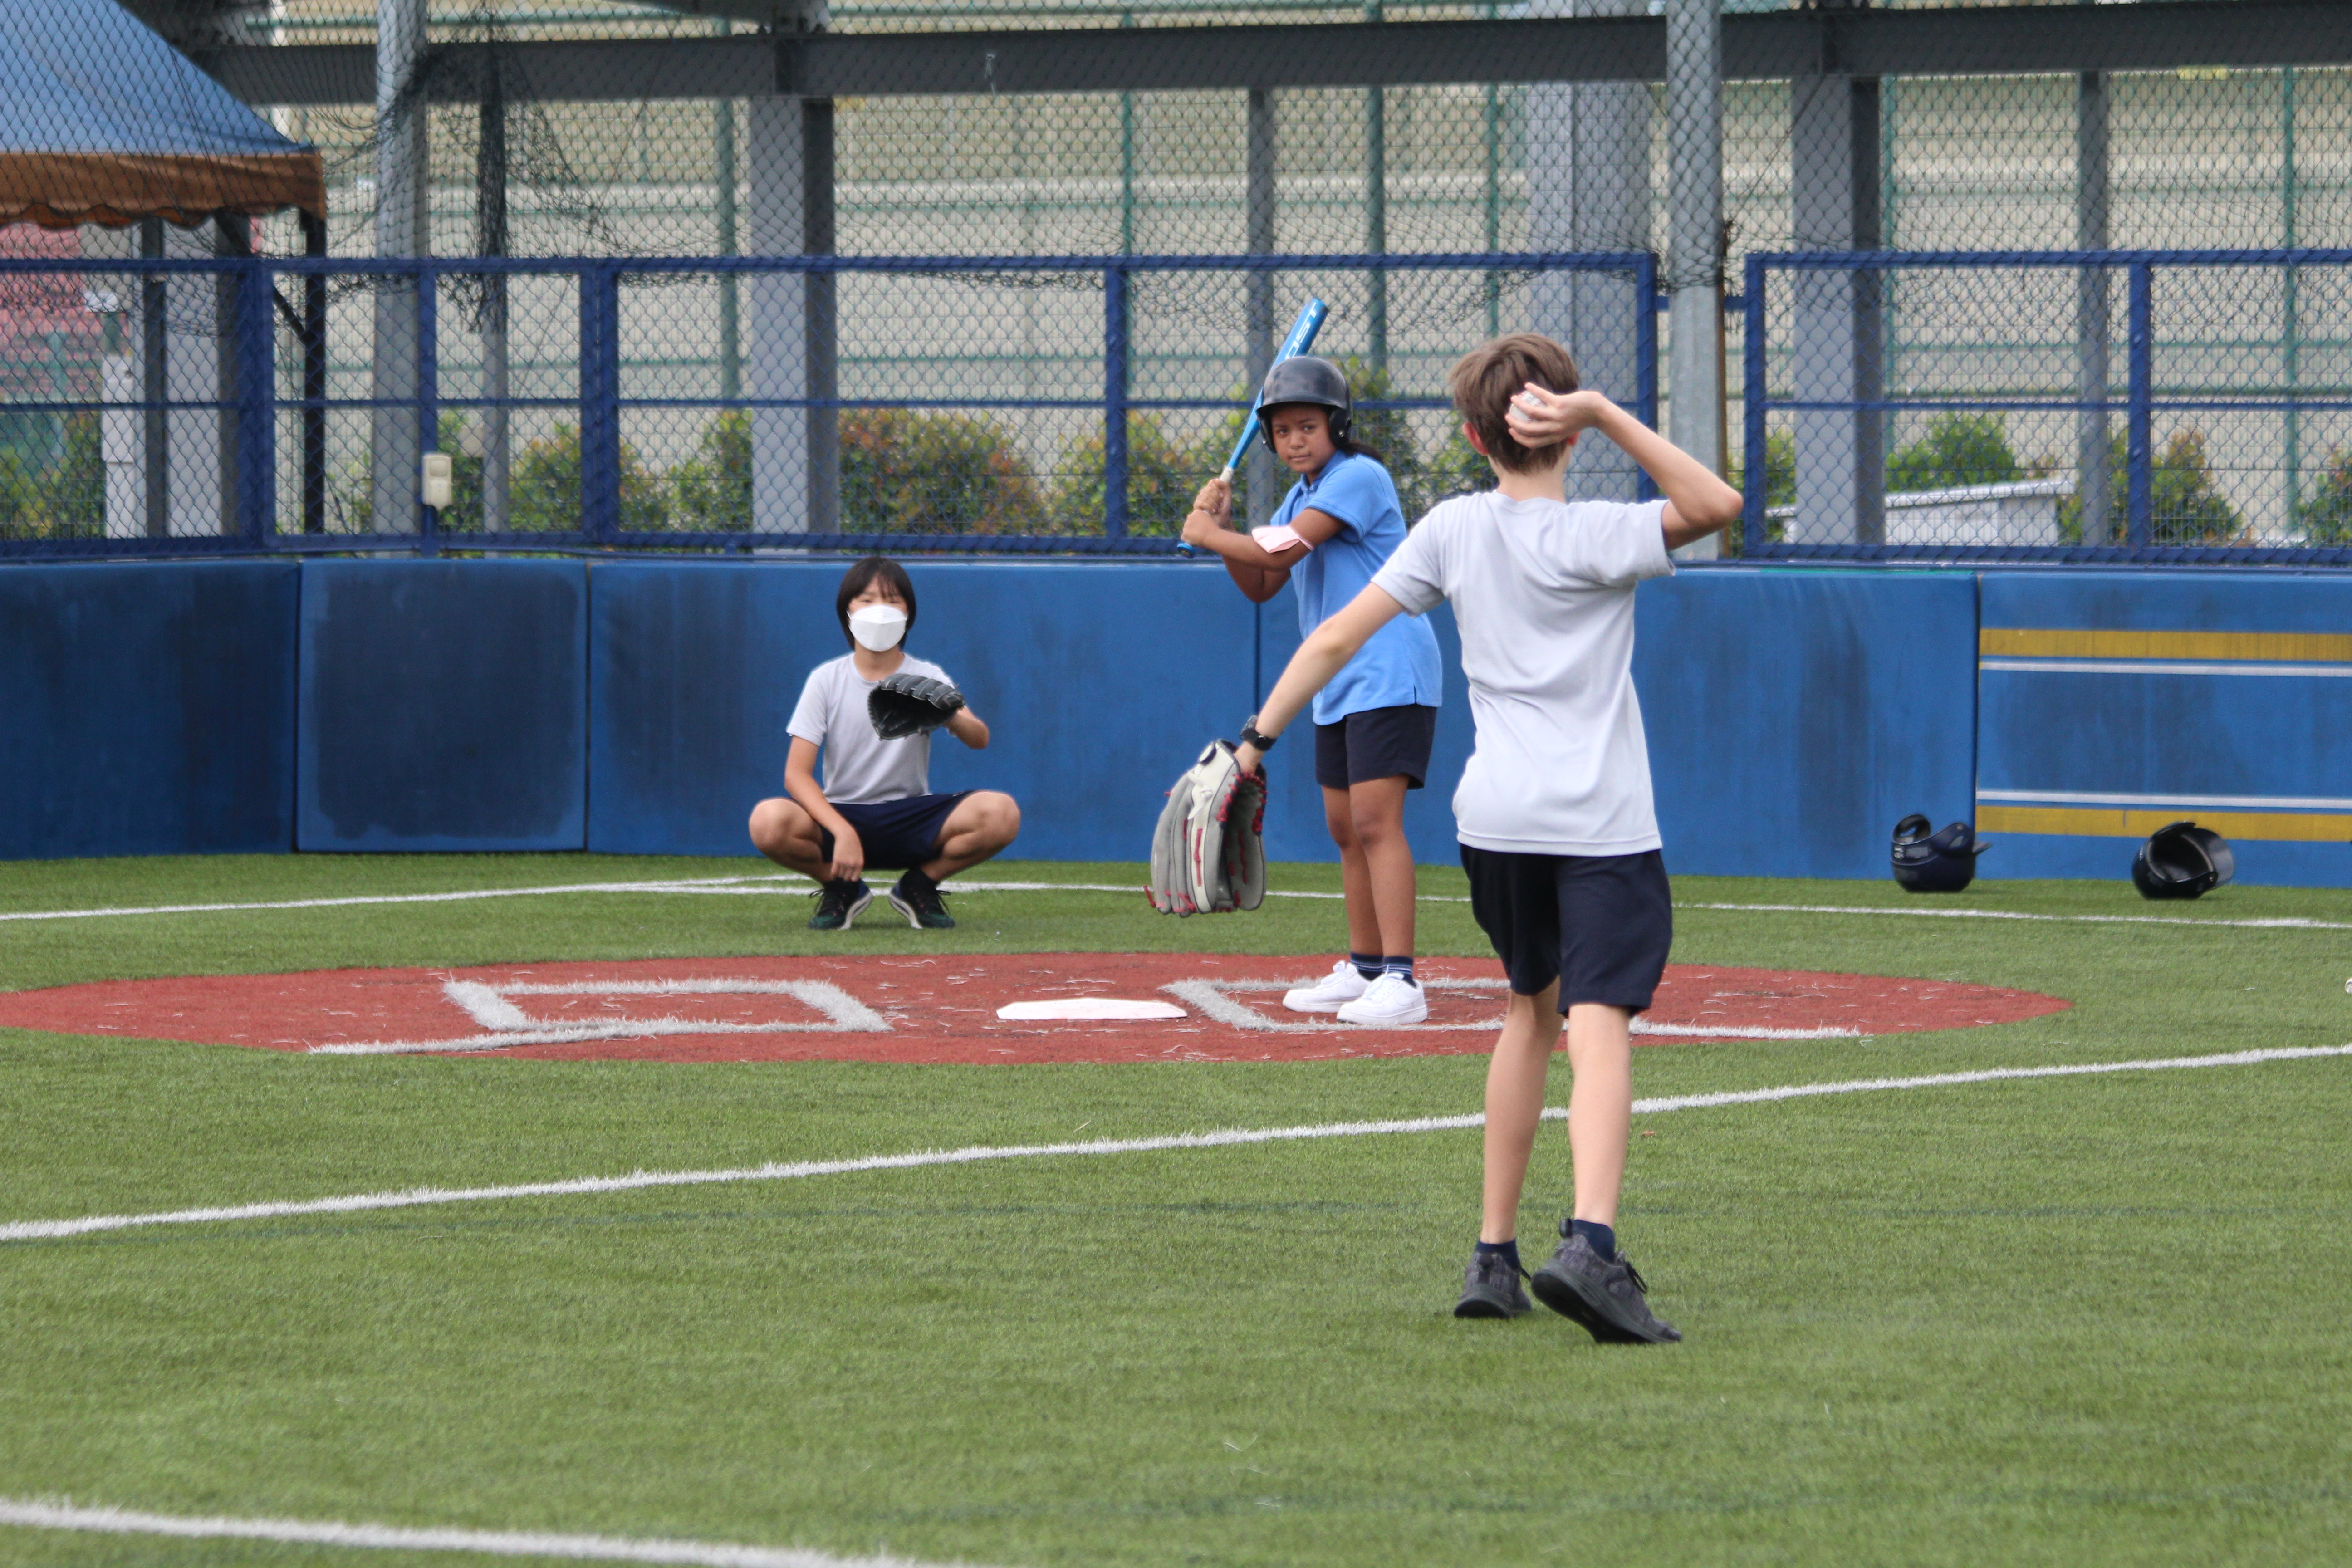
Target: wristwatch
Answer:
[[1250, 737]]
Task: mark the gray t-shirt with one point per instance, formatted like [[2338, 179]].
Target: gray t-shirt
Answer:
[[860, 767], [1543, 594]]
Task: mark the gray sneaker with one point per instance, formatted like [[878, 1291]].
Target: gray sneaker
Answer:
[[1491, 1289], [1604, 1296]]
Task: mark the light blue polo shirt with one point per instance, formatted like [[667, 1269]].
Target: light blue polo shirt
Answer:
[[1400, 665]]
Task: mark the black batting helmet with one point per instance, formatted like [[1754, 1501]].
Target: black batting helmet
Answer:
[[1303, 378], [2182, 860], [1943, 862]]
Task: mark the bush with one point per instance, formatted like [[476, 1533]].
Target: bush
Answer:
[[714, 486], [2325, 515], [60, 500], [543, 492], [1957, 449], [2186, 507], [904, 472], [1161, 480]]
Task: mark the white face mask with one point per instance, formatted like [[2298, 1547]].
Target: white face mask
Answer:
[[878, 628]]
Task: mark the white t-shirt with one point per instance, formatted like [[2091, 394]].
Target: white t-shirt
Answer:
[[1543, 595], [860, 767]]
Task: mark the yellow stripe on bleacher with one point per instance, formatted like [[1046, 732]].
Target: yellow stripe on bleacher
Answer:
[[2119, 822], [2022, 642]]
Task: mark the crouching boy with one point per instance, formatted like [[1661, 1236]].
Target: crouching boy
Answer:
[[1554, 812], [874, 807]]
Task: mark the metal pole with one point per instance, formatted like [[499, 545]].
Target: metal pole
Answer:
[[824, 380], [730, 342], [2292, 307], [1114, 403], [491, 239], [2139, 454], [314, 381], [1694, 240], [154, 382], [1376, 209], [1126, 160], [1258, 287], [401, 228], [2093, 470]]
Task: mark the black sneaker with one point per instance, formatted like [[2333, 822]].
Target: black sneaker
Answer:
[[1491, 1289], [918, 897], [1605, 1296], [838, 905]]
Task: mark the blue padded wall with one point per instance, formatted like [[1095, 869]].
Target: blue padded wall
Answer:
[[1793, 718], [2107, 741], [444, 705], [147, 708], [1094, 680]]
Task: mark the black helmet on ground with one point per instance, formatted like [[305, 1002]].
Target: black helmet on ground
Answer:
[[1303, 378], [1943, 862], [2182, 860]]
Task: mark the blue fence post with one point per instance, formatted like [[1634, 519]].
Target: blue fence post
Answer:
[[2141, 408], [1115, 329], [599, 395], [428, 395], [1751, 401], [256, 404], [1645, 359]]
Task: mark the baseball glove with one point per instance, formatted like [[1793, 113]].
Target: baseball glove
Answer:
[[905, 705], [1208, 855]]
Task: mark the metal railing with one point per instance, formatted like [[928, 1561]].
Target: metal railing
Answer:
[[922, 403], [2125, 406]]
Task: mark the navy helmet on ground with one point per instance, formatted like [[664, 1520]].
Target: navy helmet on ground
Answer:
[[1941, 862], [1303, 378], [2182, 860]]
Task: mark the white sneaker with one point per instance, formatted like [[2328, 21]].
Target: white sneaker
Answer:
[[1388, 1000], [1331, 992]]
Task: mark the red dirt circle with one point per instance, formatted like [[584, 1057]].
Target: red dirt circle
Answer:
[[938, 1009]]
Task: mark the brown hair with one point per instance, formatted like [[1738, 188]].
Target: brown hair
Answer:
[[1485, 380]]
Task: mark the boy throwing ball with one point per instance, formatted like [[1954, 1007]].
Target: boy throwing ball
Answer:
[[874, 807], [1554, 813]]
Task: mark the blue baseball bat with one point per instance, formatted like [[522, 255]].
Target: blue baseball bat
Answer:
[[1300, 339]]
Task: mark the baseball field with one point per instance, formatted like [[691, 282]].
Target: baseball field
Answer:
[[445, 1209]]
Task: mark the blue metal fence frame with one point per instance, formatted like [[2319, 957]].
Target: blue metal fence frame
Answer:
[[2139, 405], [257, 405]]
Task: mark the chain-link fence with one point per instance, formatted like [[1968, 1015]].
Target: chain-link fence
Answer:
[[1072, 404], [496, 143]]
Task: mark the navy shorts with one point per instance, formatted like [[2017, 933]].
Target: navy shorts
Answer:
[[896, 833], [1377, 743], [1599, 924]]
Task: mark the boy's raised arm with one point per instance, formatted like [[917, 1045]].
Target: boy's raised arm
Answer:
[[1326, 650], [1697, 502]]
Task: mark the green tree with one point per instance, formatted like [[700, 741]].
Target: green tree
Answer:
[[2326, 514], [2186, 507], [1161, 480], [1956, 449], [905, 472], [714, 486], [544, 494]]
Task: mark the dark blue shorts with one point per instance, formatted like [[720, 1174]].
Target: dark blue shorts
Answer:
[[897, 833], [1377, 743], [1599, 924]]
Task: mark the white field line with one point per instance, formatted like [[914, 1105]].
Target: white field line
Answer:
[[64, 1515], [418, 1198], [782, 885], [510, 1025]]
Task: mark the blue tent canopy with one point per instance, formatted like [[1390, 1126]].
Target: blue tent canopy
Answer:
[[102, 122]]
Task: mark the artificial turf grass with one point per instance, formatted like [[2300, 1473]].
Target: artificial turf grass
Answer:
[[731, 1364], [942, 1292]]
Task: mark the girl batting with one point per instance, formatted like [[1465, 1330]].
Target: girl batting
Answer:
[[1376, 720]]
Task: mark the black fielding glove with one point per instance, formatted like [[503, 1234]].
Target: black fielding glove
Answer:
[[904, 705]]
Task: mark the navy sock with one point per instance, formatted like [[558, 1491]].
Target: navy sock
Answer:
[[1509, 1251], [1601, 1238], [1368, 964], [1399, 965]]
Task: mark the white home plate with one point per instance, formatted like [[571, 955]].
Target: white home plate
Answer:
[[1090, 1007]]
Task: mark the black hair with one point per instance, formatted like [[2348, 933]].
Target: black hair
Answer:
[[1346, 444], [860, 576]]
